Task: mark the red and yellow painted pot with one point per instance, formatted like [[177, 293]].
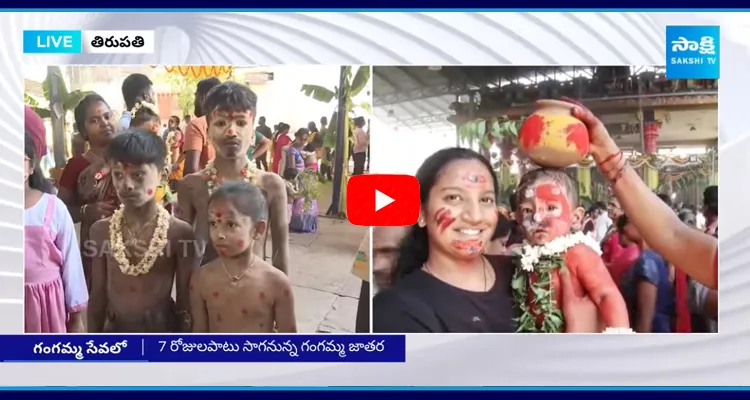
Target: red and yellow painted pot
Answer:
[[551, 137]]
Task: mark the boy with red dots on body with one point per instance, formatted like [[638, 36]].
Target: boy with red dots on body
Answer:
[[141, 252], [546, 213], [239, 292]]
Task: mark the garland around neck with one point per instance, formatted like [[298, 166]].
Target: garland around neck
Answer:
[[249, 175], [536, 264], [531, 254], [155, 246]]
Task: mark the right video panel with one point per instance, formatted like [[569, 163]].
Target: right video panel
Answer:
[[553, 199]]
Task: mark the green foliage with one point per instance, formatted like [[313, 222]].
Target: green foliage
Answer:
[[538, 282], [486, 132], [309, 187], [354, 83], [184, 87], [68, 100]]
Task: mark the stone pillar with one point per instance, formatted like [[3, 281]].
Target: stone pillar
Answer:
[[583, 175], [650, 137]]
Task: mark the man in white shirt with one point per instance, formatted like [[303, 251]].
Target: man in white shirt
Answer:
[[602, 222]]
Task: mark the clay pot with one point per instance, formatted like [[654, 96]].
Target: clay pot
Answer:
[[551, 137]]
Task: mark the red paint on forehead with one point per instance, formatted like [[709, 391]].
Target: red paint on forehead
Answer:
[[531, 131], [578, 136], [546, 193]]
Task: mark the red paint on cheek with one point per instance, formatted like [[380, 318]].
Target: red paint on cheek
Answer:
[[474, 246], [230, 132], [531, 131], [287, 293], [216, 295], [150, 191], [444, 219], [578, 136], [244, 311], [262, 296], [240, 243]]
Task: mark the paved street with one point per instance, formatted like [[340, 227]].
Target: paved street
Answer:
[[326, 293]]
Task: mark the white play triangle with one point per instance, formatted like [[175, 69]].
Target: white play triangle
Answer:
[[382, 200]]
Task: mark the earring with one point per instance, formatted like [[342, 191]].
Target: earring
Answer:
[[421, 222]]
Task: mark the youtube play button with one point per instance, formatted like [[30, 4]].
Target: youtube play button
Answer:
[[382, 200]]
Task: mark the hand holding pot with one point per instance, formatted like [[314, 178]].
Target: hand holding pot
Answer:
[[601, 145]]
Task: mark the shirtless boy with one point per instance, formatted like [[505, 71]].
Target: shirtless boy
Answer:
[[239, 292], [142, 249], [548, 210], [230, 112]]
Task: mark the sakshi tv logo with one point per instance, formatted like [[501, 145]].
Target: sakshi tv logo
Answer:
[[692, 52]]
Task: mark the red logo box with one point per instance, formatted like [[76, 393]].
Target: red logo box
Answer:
[[382, 200]]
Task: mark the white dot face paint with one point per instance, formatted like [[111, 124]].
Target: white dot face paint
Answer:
[[556, 191], [537, 217], [529, 193]]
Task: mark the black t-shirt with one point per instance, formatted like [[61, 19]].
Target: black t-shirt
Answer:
[[265, 131], [420, 302]]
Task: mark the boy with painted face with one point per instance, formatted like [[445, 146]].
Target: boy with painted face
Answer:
[[140, 252], [547, 210], [238, 292], [230, 113]]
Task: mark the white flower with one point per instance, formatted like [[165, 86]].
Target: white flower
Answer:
[[530, 255]]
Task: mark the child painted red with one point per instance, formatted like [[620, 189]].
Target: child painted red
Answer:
[[547, 212]]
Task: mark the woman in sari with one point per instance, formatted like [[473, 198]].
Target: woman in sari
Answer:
[[84, 185], [280, 140], [304, 211]]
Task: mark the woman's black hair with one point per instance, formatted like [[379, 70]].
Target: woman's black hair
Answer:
[[81, 112], [143, 115], [37, 180], [174, 119], [414, 248], [290, 173], [137, 147], [621, 223], [359, 122], [301, 132], [711, 199]]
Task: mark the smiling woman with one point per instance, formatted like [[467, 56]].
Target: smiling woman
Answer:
[[441, 282]]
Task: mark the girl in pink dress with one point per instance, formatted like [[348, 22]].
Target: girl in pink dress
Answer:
[[55, 293]]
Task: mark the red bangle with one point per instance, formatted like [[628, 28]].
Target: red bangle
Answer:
[[606, 172], [610, 157]]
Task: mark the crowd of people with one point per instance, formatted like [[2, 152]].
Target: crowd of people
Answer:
[[472, 264], [156, 202]]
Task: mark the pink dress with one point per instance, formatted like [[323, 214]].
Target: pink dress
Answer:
[[54, 280]]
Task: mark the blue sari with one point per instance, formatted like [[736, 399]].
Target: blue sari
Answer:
[[652, 268]]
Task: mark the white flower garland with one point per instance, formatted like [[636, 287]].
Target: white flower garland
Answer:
[[249, 175], [530, 254], [155, 247]]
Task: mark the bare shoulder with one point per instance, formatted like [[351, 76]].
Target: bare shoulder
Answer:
[[273, 275], [584, 256], [180, 229], [100, 229], [193, 181], [271, 183]]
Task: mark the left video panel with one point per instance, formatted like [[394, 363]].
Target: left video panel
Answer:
[[190, 198]]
